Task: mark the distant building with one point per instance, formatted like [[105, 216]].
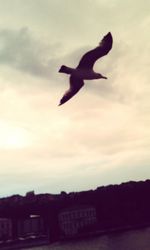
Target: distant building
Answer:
[[73, 220], [33, 225], [5, 229], [45, 197], [30, 194]]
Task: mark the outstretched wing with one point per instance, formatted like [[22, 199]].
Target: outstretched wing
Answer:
[[88, 60], [75, 85]]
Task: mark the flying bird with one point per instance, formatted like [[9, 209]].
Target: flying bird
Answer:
[[84, 70]]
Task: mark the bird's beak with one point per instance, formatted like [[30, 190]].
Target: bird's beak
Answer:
[[104, 77]]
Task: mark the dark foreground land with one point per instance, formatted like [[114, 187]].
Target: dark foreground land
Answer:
[[118, 207], [136, 238]]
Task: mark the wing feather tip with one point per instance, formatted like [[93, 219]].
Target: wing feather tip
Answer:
[[59, 104]]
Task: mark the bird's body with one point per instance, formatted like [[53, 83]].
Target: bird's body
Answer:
[[84, 70], [81, 73]]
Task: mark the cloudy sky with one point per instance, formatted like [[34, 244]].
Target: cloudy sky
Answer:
[[102, 135]]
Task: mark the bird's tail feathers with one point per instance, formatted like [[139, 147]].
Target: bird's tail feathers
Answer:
[[63, 69]]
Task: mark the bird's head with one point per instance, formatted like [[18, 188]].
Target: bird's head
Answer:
[[62, 69], [101, 76]]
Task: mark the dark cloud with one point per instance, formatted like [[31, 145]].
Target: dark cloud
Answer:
[[20, 50]]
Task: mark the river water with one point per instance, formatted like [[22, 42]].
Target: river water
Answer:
[[130, 240]]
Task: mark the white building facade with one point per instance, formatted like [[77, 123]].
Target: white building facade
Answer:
[[72, 220]]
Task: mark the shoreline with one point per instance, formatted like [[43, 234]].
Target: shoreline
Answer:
[[104, 232], [25, 244], [35, 243]]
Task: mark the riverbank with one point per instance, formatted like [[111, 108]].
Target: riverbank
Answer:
[[28, 243], [23, 244], [105, 231]]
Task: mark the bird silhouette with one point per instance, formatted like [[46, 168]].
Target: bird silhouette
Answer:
[[84, 70]]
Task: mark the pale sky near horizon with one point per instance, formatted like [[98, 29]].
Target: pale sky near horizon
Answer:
[[102, 135]]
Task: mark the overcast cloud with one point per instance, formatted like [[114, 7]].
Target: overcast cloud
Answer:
[[101, 136]]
